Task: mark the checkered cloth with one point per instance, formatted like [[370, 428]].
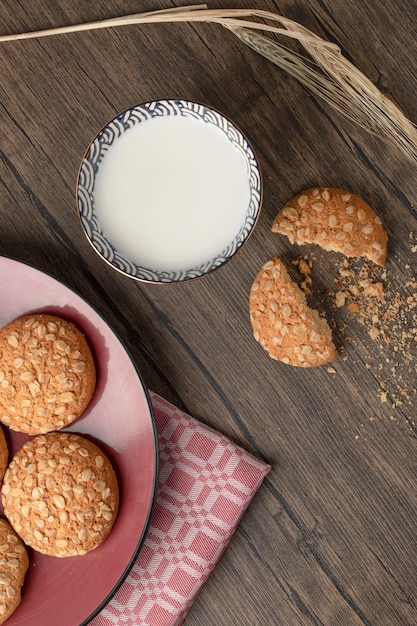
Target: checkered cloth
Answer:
[[205, 485]]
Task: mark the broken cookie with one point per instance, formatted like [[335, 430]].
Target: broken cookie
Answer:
[[336, 220], [283, 323]]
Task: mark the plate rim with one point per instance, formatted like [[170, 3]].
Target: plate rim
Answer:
[[142, 536]]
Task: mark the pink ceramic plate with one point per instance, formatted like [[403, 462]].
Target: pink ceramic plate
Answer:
[[70, 591]]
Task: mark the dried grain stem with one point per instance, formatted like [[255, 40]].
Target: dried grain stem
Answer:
[[325, 71]]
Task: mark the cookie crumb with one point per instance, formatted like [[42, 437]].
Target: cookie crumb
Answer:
[[340, 299], [383, 396], [373, 332], [353, 307]]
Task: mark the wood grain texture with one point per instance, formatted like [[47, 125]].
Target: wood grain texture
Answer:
[[330, 537]]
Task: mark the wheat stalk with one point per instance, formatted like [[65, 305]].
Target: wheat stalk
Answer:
[[325, 72], [342, 85]]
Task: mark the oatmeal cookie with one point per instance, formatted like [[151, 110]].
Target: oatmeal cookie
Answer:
[[14, 562], [47, 374], [282, 322], [336, 220], [60, 494]]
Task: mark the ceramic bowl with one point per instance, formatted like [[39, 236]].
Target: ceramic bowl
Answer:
[[168, 191]]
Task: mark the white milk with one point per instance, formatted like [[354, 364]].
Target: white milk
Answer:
[[171, 193]]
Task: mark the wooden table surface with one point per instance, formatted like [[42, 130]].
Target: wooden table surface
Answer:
[[330, 538]]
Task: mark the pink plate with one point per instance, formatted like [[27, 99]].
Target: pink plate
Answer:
[[71, 591]]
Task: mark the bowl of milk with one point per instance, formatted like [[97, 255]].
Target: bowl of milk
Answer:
[[168, 191]]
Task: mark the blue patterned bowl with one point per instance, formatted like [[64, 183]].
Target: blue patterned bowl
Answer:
[[92, 166]]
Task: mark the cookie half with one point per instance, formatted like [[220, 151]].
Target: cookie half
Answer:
[[14, 562], [282, 322], [60, 494], [47, 374], [336, 220]]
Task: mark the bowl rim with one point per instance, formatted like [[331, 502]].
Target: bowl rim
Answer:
[[206, 268]]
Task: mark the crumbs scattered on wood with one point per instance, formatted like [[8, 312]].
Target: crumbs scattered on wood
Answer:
[[386, 308]]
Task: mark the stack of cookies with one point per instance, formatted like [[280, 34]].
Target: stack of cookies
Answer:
[[60, 493]]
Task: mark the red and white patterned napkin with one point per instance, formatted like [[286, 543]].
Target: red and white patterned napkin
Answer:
[[205, 485]]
